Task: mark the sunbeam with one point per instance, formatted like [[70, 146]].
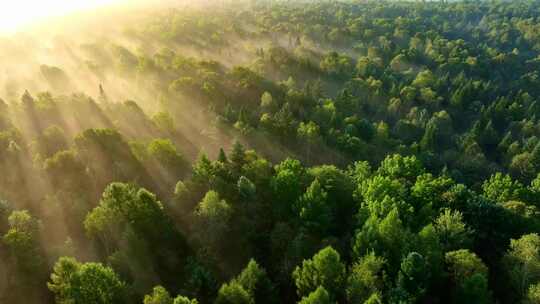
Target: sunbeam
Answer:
[[17, 14]]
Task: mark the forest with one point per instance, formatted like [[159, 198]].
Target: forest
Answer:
[[267, 151]]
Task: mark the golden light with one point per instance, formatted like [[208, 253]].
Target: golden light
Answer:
[[15, 14]]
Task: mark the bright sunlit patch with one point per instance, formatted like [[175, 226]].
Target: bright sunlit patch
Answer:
[[15, 14]]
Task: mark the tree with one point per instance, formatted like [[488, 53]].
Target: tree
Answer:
[[255, 281], [203, 170], [522, 263], [167, 157], [313, 209], [382, 194], [360, 171], [387, 237], [233, 293], [159, 296], [533, 294], [164, 122], [212, 216], [246, 188], [222, 156], [52, 140], [375, 298], [324, 269], [463, 263], [413, 276], [501, 188], [429, 246], [124, 207], [452, 231], [310, 133], [237, 157], [73, 282], [339, 186], [267, 102], [287, 185], [184, 300], [535, 157], [402, 167], [437, 133], [130, 227], [469, 274], [27, 100], [108, 155], [366, 278], [22, 240], [474, 290], [429, 194], [319, 296], [522, 166], [67, 172], [424, 79], [200, 281], [534, 189]]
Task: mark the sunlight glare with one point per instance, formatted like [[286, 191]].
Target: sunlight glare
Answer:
[[18, 13]]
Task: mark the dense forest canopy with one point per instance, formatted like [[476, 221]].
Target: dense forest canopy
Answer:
[[257, 151]]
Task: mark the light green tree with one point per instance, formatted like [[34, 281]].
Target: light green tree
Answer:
[[76, 283], [319, 296], [366, 278], [522, 263], [324, 269]]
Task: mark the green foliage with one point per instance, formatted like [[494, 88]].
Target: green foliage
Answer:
[[255, 281], [313, 209], [267, 101], [470, 275], [452, 231], [381, 195], [184, 300], [522, 263], [397, 166], [246, 188], [214, 210], [386, 237], [73, 282], [474, 290], [366, 278], [501, 188], [164, 151], [52, 140], [533, 294], [430, 247], [237, 156], [233, 293], [413, 276], [463, 264], [375, 298], [67, 171], [160, 295], [123, 206], [287, 185], [319, 296], [429, 194], [324, 269], [22, 239], [164, 121]]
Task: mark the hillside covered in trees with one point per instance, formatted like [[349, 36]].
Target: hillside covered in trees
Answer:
[[257, 151]]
